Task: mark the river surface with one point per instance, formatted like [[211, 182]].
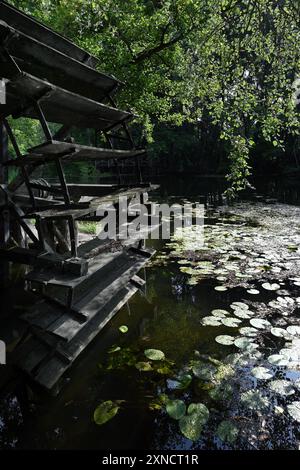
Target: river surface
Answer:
[[248, 401]]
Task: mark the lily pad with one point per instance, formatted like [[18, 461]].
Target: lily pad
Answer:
[[260, 323], [220, 288], [219, 313], [253, 291], [243, 343], [175, 408], [231, 322], [211, 321], [279, 332], [183, 381], [248, 331], [239, 305], [222, 392], [225, 339], [293, 330], [294, 410], [203, 371], [227, 432], [123, 329], [242, 313], [105, 412], [143, 366], [254, 400], [262, 373], [270, 286], [278, 360], [154, 354], [192, 424], [282, 387]]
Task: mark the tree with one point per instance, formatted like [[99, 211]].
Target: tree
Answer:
[[232, 60]]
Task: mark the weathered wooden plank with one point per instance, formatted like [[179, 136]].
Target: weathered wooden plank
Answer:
[[53, 370]]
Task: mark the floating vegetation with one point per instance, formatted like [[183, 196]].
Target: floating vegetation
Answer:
[[154, 354], [278, 360], [175, 408], [192, 424], [106, 411], [211, 321], [254, 400], [253, 291], [123, 329], [225, 339], [262, 373], [282, 387], [220, 288], [220, 313], [269, 286], [227, 432], [143, 366], [249, 331], [294, 410], [231, 322], [260, 323]]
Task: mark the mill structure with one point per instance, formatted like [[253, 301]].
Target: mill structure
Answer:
[[80, 286]]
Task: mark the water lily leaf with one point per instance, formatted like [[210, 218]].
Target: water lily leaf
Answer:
[[269, 286], [279, 332], [227, 432], [254, 400], [282, 387], [219, 313], [294, 410], [220, 288], [231, 322], [242, 313], [154, 354], [221, 392], [192, 424], [253, 291], [143, 366], [277, 360], [123, 328], [248, 331], [239, 305], [203, 371], [243, 343], [262, 373], [176, 409], [293, 330], [105, 412], [225, 339], [114, 349], [183, 381], [211, 321], [260, 323], [291, 354]]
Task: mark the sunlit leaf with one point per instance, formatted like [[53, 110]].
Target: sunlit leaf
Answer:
[[154, 354], [105, 412], [175, 408]]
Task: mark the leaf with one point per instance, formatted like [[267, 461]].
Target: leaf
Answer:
[[226, 340], [143, 366], [253, 291], [248, 331], [154, 354], [269, 286], [239, 305], [254, 400], [183, 381], [294, 410], [105, 412], [192, 424], [123, 329], [259, 323], [220, 288], [227, 432], [211, 321], [282, 387], [222, 392], [244, 343], [203, 371], [262, 373], [176, 409], [293, 330], [114, 349], [219, 313], [242, 313], [278, 332], [231, 322], [277, 360]]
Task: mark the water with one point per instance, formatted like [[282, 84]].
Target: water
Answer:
[[166, 316]]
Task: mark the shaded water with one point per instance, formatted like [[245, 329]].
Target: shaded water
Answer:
[[166, 316]]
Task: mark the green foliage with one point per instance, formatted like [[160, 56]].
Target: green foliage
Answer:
[[228, 63]]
